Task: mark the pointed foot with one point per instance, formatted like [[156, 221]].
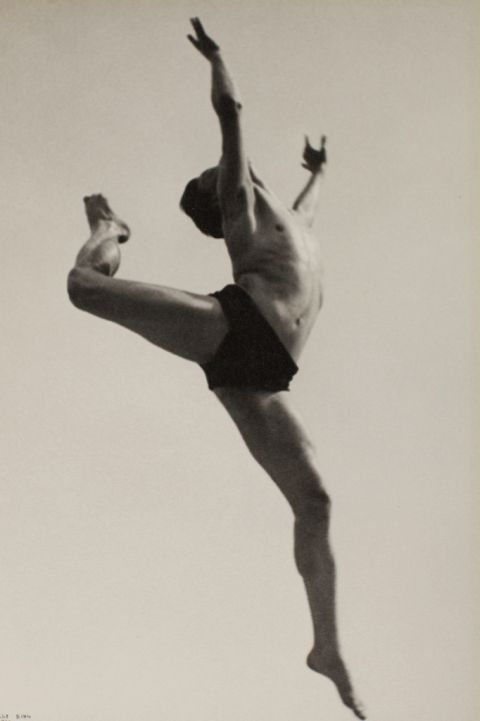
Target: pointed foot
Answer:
[[334, 669]]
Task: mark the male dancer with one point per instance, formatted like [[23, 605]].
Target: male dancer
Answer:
[[247, 337]]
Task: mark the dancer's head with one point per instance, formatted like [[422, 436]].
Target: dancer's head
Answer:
[[200, 202]]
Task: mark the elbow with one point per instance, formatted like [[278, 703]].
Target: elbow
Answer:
[[227, 106]]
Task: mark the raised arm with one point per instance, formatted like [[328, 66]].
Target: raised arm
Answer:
[[306, 202], [234, 185]]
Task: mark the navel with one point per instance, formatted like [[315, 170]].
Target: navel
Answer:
[[279, 227]]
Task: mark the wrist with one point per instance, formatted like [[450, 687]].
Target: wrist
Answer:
[[215, 56], [317, 171]]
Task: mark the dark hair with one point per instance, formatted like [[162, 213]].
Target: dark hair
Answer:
[[203, 208]]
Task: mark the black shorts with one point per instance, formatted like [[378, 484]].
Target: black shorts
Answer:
[[251, 355]]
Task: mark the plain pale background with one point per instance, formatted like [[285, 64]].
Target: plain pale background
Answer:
[[146, 562]]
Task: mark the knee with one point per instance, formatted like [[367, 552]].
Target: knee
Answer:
[[74, 287], [227, 107], [314, 510], [79, 287]]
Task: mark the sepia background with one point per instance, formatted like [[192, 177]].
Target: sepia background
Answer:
[[146, 561]]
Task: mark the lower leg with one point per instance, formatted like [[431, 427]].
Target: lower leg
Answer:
[[276, 438], [315, 563]]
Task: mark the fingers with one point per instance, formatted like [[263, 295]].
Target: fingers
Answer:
[[202, 41], [323, 141], [198, 27], [194, 41]]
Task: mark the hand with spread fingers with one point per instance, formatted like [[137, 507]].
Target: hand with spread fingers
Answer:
[[314, 159], [204, 44]]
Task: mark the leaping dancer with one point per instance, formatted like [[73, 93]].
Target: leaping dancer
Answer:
[[248, 337]]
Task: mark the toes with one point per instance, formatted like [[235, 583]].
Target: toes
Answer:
[[98, 202], [95, 198], [356, 707], [97, 208]]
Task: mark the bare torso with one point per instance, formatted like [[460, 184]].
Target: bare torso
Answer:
[[275, 259]]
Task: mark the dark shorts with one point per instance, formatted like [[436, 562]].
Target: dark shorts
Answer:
[[251, 355]]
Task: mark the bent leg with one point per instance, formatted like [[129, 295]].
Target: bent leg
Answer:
[[187, 324], [277, 440]]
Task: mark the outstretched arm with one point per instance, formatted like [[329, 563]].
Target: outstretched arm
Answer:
[[307, 201], [234, 185]]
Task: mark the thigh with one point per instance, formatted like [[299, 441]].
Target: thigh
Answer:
[[187, 324], [276, 438]]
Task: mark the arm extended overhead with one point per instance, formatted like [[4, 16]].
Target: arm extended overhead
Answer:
[[234, 184]]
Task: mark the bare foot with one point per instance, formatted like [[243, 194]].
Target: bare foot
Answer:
[[101, 251], [334, 668], [102, 220]]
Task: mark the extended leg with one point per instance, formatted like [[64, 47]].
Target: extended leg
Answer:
[[277, 440], [187, 324]]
